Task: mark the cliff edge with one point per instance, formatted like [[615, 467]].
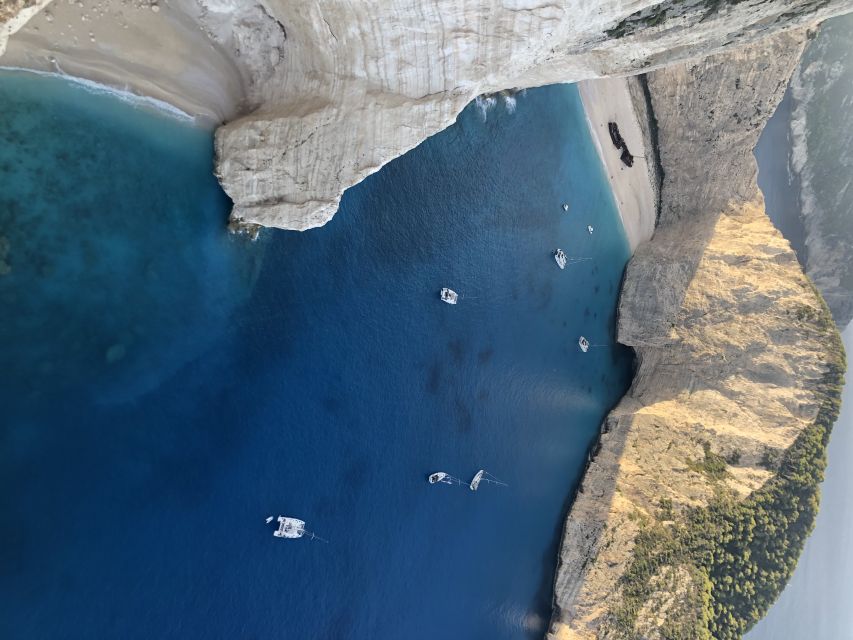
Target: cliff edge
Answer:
[[354, 85], [333, 90], [703, 486]]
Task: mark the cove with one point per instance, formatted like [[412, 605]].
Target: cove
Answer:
[[167, 386]]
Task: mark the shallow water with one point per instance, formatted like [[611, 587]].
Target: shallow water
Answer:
[[168, 386]]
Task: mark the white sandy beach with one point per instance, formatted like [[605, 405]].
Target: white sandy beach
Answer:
[[609, 100], [151, 49]]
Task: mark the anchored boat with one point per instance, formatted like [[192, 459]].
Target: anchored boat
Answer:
[[449, 296], [289, 528], [484, 476], [441, 476], [561, 258], [293, 528]]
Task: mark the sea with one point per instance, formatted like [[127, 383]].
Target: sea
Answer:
[[167, 386]]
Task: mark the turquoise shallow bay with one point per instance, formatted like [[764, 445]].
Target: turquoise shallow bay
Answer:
[[168, 386]]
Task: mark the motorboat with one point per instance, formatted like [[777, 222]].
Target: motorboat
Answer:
[[589, 228], [561, 258], [565, 207], [269, 519], [441, 476], [449, 296]]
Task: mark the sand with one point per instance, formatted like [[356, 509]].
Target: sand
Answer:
[[609, 100], [147, 47]]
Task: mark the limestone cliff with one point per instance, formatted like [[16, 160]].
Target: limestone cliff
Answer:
[[355, 85], [734, 351], [337, 88]]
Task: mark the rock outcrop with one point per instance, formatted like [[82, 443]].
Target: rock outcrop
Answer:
[[336, 89], [358, 84], [732, 348]]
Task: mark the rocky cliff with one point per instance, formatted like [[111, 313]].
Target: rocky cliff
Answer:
[[737, 362], [336, 89], [355, 85]]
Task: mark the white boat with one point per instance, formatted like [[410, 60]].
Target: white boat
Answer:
[[449, 296], [269, 519], [583, 343], [289, 528], [484, 476], [589, 228], [565, 207], [561, 258], [441, 476], [478, 478]]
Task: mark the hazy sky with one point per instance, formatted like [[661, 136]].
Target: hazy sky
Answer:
[[818, 602]]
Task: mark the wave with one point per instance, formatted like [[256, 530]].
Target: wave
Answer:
[[485, 104], [125, 95]]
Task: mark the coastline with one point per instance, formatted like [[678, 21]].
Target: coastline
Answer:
[[134, 99], [634, 188], [161, 57]]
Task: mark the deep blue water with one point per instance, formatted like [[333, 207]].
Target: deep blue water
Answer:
[[167, 386]]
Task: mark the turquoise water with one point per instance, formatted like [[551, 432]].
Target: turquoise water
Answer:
[[167, 386]]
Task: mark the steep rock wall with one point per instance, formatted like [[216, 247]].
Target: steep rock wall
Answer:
[[357, 84], [335, 89], [730, 354]]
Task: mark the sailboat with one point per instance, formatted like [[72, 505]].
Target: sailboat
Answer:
[[484, 476]]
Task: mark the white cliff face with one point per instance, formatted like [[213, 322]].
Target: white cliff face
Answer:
[[334, 89], [355, 85]]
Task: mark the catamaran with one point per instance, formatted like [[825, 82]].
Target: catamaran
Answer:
[[561, 258], [484, 476], [441, 476], [449, 296], [583, 343], [292, 528]]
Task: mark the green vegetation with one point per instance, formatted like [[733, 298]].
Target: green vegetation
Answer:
[[713, 466], [729, 562]]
